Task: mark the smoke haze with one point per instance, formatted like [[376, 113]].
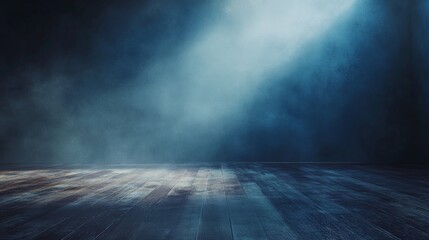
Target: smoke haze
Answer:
[[201, 81]]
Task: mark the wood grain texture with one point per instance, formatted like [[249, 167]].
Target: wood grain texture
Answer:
[[214, 201]]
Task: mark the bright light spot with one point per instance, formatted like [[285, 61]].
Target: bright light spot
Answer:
[[221, 70]]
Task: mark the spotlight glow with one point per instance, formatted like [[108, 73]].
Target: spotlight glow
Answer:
[[225, 64], [206, 85]]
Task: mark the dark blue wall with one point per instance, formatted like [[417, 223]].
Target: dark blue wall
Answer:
[[71, 71], [421, 60], [350, 98]]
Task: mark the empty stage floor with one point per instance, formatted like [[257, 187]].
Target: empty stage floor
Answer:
[[214, 201]]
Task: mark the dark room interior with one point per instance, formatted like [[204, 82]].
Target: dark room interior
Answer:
[[214, 119]]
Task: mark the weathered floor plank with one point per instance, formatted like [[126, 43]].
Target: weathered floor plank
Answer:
[[131, 224], [244, 221], [187, 225], [215, 223], [214, 201]]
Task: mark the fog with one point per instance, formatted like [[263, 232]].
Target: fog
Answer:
[[203, 81]]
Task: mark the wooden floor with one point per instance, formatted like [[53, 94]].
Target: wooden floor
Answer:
[[214, 201]]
